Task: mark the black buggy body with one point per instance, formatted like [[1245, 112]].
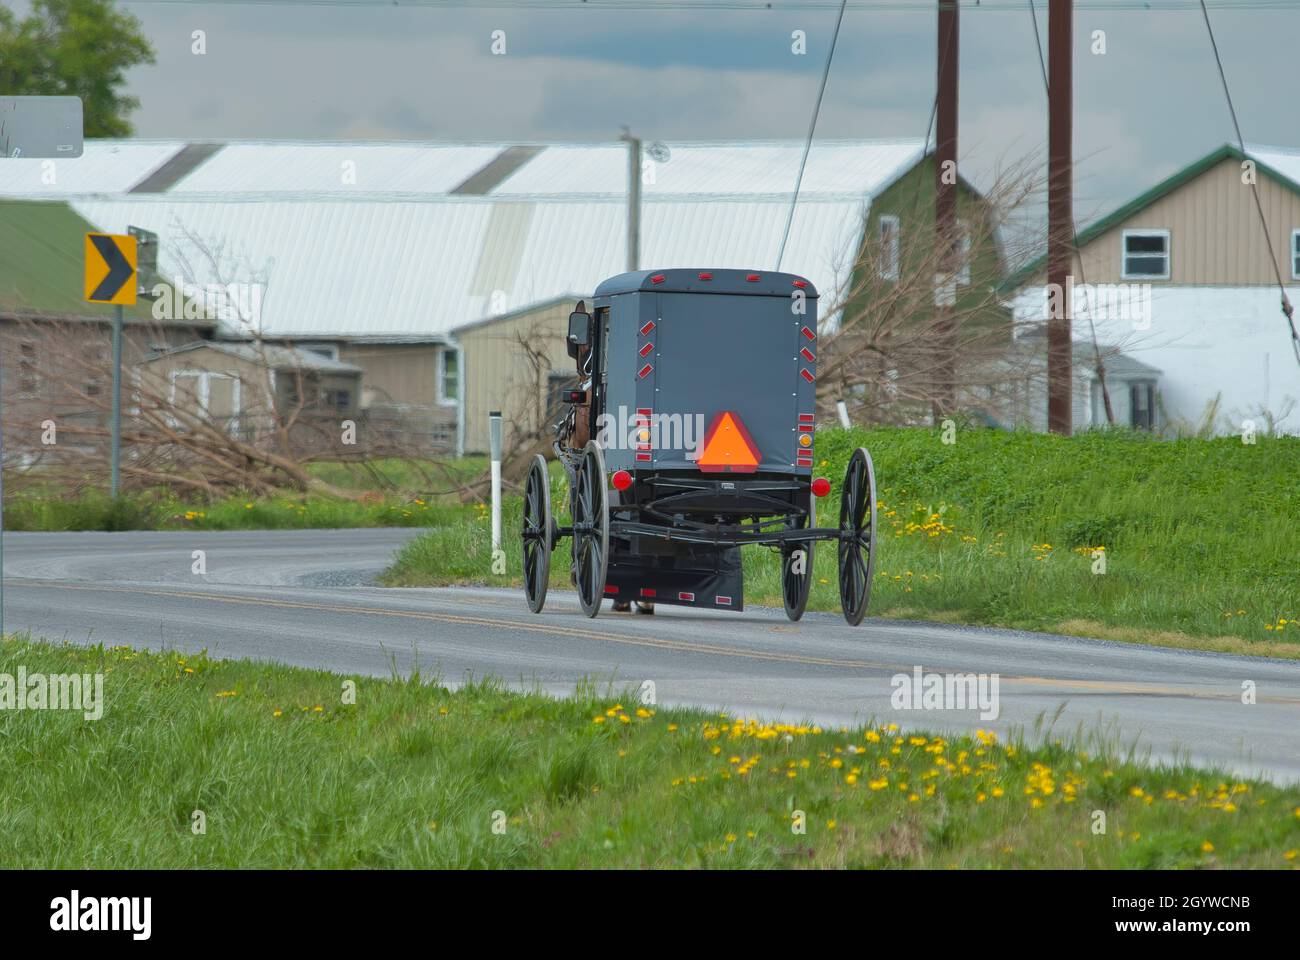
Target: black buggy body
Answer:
[[698, 407], [686, 344]]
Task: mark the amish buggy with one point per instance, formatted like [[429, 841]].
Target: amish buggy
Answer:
[[691, 436]]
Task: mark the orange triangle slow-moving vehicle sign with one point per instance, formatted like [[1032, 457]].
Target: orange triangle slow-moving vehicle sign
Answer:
[[728, 447]]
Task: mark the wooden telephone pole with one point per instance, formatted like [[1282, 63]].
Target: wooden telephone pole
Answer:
[[945, 205], [1060, 214]]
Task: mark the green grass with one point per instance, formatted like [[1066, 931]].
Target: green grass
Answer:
[[1200, 536], [394, 493], [287, 774], [284, 512], [393, 473]]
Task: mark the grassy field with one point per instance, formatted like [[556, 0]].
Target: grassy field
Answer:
[[393, 494], [288, 774], [1201, 538]]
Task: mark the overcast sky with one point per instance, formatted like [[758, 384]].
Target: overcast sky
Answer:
[[1151, 104]]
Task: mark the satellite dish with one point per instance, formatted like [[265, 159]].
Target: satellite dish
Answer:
[[659, 152]]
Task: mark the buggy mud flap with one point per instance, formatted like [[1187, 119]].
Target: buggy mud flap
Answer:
[[690, 577]]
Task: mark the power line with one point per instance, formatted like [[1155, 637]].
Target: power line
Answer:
[[812, 128], [1254, 188]]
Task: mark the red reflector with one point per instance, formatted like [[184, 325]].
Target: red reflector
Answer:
[[800, 283], [805, 418], [610, 588], [808, 333], [645, 372], [645, 412], [808, 355], [650, 346], [722, 601], [821, 486], [647, 591], [686, 595], [807, 376], [647, 327], [643, 456], [706, 276], [657, 278], [621, 479], [753, 278]]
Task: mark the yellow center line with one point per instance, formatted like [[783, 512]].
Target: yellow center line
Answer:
[[678, 645], [653, 642]]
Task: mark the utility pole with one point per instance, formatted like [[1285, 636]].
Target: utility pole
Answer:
[[633, 199], [945, 207], [116, 469], [1060, 214]]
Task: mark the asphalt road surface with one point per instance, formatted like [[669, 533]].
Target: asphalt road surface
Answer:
[[305, 598]]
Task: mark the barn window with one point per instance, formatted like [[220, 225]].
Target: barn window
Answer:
[[449, 376], [1295, 254], [28, 380], [1146, 255], [889, 247], [1142, 406]]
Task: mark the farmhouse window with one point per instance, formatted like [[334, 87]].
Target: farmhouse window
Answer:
[[448, 376], [1146, 255], [1142, 406]]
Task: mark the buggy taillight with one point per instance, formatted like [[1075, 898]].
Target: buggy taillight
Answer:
[[820, 487], [621, 479]]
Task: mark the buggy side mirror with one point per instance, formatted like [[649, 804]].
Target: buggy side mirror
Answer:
[[579, 331], [579, 328]]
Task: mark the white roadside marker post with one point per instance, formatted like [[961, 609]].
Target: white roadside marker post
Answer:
[[494, 435], [843, 409]]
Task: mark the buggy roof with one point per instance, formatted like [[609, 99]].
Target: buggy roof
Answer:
[[766, 284]]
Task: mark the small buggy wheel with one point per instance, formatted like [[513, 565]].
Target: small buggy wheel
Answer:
[[538, 527], [590, 529], [857, 556], [797, 567]]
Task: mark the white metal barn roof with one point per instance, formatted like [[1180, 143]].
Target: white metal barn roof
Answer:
[[839, 168], [372, 269], [1285, 161], [432, 236], [338, 169], [105, 166]]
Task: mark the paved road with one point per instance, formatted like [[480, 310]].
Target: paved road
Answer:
[[304, 598]]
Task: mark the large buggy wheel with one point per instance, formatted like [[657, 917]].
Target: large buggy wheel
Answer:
[[857, 536], [537, 534], [590, 529], [797, 567]]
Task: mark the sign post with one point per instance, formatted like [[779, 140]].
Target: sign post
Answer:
[[494, 438], [116, 470], [111, 278]]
